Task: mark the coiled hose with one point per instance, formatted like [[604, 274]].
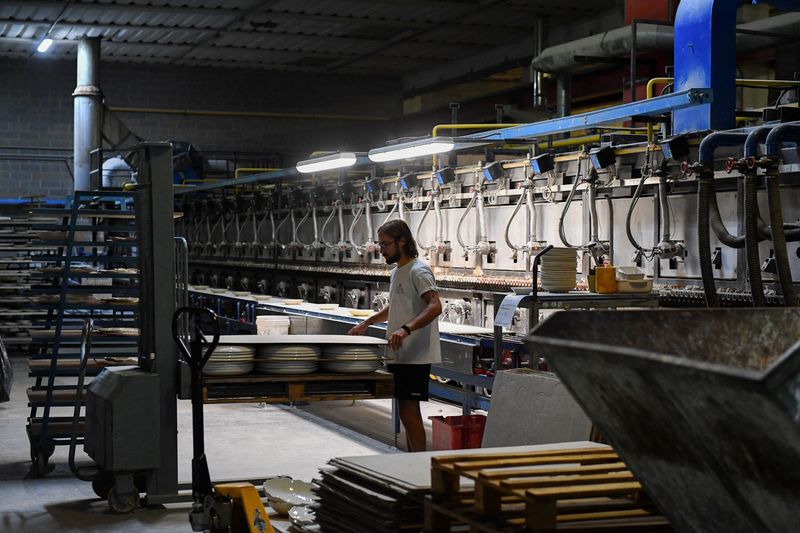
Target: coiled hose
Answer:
[[751, 239], [356, 217], [325, 225], [511, 219], [562, 234], [421, 221], [460, 223], [704, 183], [779, 240]]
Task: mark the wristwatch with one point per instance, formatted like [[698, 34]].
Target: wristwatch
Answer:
[[408, 329]]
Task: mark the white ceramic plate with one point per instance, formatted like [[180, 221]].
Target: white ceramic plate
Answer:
[[291, 491], [200, 287], [302, 515], [261, 297]]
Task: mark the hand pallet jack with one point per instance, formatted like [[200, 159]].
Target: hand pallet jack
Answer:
[[227, 507]]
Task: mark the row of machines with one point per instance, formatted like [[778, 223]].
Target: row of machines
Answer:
[[675, 208]]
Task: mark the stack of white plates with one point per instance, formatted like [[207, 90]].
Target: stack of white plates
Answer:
[[272, 325], [230, 360], [287, 359], [351, 359], [558, 270]]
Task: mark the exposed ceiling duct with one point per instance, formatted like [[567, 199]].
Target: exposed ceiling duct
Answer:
[[617, 43]]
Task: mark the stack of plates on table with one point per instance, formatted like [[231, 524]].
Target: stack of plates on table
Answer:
[[558, 270], [351, 359], [287, 359], [273, 324], [230, 360]]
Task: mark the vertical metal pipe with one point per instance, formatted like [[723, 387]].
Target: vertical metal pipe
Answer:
[[87, 107], [563, 95], [537, 77]]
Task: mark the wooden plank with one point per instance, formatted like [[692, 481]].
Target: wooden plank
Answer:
[[457, 458], [559, 481], [583, 491], [472, 466], [509, 475]]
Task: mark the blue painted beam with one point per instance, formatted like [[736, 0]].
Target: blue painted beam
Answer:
[[705, 56], [653, 106]]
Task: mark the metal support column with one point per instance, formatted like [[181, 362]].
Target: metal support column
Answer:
[[87, 109], [157, 351]]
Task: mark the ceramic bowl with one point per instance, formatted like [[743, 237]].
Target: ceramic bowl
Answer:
[[283, 493]]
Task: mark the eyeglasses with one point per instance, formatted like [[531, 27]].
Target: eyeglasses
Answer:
[[384, 244]]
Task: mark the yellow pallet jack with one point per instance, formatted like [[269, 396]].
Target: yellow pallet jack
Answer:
[[227, 507]]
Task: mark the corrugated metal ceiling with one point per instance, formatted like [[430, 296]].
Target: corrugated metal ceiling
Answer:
[[379, 37]]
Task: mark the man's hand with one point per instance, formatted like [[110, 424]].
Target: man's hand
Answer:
[[396, 339], [358, 329]]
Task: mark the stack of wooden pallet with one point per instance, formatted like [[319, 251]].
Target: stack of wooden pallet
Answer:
[[586, 490]]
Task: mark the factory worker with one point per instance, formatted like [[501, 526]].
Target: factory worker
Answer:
[[412, 330]]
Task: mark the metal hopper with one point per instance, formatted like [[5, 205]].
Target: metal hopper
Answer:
[[703, 405]]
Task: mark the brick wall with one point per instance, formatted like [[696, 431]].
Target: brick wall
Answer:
[[36, 111]]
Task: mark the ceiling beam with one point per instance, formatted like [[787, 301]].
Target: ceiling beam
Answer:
[[455, 47], [411, 34]]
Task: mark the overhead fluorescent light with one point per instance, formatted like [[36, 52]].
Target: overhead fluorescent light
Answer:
[[410, 150], [327, 162], [45, 45]]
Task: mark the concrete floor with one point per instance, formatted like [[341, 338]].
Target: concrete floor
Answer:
[[242, 441]]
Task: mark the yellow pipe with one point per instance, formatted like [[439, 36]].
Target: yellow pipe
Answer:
[[245, 114], [436, 128], [739, 81], [572, 141], [240, 170]]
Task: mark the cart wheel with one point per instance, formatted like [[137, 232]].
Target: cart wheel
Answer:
[[41, 462], [124, 503], [103, 483]]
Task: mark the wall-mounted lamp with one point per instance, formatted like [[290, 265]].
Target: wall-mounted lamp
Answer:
[[45, 45], [327, 162], [409, 150]]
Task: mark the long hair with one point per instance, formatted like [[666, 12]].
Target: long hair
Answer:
[[398, 229]]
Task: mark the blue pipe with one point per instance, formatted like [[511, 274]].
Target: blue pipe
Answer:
[[705, 56], [23, 201], [779, 135], [716, 140]]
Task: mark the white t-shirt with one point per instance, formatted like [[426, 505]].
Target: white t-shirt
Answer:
[[408, 284]]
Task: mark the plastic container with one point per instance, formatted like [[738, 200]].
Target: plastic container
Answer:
[[635, 286], [457, 432], [606, 279]]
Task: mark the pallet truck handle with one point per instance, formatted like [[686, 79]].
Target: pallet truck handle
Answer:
[[193, 354]]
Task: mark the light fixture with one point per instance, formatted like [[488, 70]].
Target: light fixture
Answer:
[[327, 162], [409, 150], [45, 45]]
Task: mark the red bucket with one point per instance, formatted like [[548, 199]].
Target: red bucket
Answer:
[[457, 432]]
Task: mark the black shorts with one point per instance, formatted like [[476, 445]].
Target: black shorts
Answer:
[[410, 381]]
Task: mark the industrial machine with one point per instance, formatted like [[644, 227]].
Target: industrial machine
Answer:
[[706, 206]]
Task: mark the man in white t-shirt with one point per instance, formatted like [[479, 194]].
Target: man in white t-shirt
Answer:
[[412, 329]]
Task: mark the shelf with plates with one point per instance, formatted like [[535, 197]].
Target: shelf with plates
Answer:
[[88, 269]]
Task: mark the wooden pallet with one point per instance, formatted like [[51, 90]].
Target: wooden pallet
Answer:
[[297, 388], [586, 490]]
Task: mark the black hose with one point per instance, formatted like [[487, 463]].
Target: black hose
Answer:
[[779, 240], [751, 239], [561, 232], [704, 240], [636, 194], [715, 219]]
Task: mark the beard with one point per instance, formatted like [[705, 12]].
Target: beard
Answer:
[[392, 259]]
